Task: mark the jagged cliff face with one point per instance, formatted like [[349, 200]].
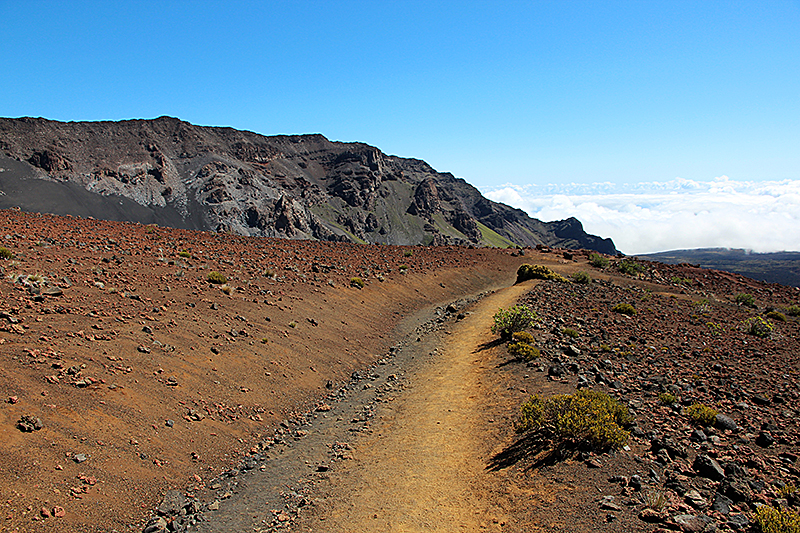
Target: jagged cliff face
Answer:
[[304, 186]]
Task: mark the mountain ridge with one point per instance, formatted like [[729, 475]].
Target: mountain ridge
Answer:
[[174, 173]]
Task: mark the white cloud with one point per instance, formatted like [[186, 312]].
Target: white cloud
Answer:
[[658, 216]]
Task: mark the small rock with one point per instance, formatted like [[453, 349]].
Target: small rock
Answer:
[[690, 523], [80, 457], [652, 516], [738, 522], [707, 467], [764, 439], [722, 504], [29, 423], [156, 525], [726, 422], [694, 499]]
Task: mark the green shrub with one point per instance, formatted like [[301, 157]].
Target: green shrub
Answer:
[[667, 398], [5, 253], [757, 326], [185, 254], [526, 272], [586, 418], [776, 315], [777, 520], [216, 277], [624, 309], [701, 414], [402, 268], [357, 282], [605, 348], [598, 261], [523, 350], [715, 328], [630, 266], [569, 332], [745, 299], [512, 320], [408, 253], [793, 310], [522, 336], [581, 277]]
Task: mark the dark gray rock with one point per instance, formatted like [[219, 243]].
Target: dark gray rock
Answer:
[[707, 467], [726, 422], [722, 504], [764, 439], [172, 503]]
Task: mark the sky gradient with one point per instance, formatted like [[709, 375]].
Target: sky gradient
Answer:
[[529, 94]]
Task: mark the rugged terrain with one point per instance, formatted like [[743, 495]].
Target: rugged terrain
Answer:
[[776, 267], [176, 174], [291, 399]]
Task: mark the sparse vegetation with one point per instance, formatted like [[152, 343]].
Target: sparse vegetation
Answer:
[[216, 278], [357, 282], [701, 414], [185, 254], [403, 268], [715, 328], [793, 310], [776, 315], [598, 261], [758, 326], [526, 272], [655, 500], [408, 253], [667, 399], [777, 520], [523, 350], [624, 309], [515, 319], [581, 277], [587, 418], [569, 332], [746, 300], [5, 253], [522, 336], [605, 348], [630, 266], [269, 273]]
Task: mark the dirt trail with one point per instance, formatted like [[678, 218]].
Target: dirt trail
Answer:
[[421, 467]]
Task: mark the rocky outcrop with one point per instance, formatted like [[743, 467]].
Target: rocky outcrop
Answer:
[[300, 186]]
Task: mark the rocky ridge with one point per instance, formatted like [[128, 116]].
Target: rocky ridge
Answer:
[[173, 173]]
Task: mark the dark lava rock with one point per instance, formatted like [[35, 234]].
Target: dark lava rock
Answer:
[[29, 423], [707, 467], [726, 422], [555, 371], [738, 522], [721, 503], [172, 503], [765, 440]]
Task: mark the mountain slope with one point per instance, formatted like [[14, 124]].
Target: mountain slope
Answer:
[[174, 173], [777, 267]]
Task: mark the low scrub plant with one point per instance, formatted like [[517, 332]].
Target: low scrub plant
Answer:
[[655, 500], [777, 520], [776, 315], [5, 253], [624, 309], [581, 277], [758, 326], [630, 266], [715, 328], [586, 419], [526, 272], [357, 282], [598, 261], [667, 399], [523, 350], [512, 320], [216, 278], [746, 300], [408, 253], [793, 310], [569, 332], [702, 414], [185, 254]]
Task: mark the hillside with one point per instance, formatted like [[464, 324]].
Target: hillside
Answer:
[[173, 173], [325, 385], [778, 267]]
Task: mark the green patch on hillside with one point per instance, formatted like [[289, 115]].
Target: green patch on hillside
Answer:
[[492, 238]]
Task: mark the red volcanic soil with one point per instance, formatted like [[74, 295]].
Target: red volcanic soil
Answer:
[[146, 377], [127, 374]]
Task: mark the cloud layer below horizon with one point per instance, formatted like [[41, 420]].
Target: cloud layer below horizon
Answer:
[[676, 214]]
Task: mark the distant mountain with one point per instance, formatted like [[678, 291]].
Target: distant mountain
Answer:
[[173, 173], [779, 267]]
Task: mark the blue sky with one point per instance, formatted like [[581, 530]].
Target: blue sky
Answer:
[[509, 95]]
